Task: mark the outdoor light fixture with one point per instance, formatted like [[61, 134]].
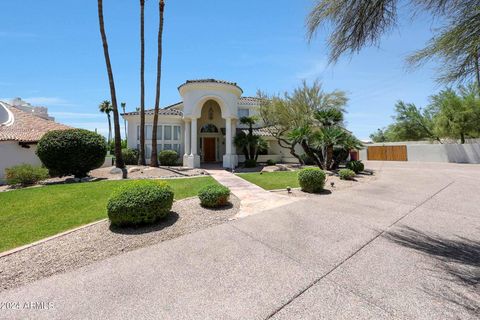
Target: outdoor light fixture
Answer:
[[332, 184], [289, 190]]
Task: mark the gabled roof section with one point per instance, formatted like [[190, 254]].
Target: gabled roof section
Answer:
[[249, 101], [26, 127], [210, 81]]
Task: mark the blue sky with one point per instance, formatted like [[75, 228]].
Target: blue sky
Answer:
[[51, 55]]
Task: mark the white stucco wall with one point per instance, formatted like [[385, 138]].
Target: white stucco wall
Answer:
[[11, 154], [434, 152]]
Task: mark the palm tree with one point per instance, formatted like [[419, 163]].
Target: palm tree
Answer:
[[106, 107], [154, 156], [116, 120], [141, 157], [124, 106]]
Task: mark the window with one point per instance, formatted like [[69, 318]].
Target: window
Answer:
[[159, 133], [168, 133], [159, 147], [148, 151], [209, 128], [243, 113], [148, 130], [167, 146], [138, 132], [176, 147], [176, 133]]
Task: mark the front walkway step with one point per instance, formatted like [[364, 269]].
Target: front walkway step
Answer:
[[253, 198]]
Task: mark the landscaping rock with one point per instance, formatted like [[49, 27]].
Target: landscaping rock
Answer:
[[134, 169], [116, 171]]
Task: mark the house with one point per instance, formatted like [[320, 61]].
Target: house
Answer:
[[203, 125], [21, 127]]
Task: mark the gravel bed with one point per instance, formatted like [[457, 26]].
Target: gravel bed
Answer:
[[99, 241]]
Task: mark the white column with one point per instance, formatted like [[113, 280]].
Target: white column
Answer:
[[228, 136], [194, 137], [187, 137]]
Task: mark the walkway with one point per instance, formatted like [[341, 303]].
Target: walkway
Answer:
[[253, 198], [405, 246]]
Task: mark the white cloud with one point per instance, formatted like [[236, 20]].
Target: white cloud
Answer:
[[314, 71], [75, 115], [44, 101]]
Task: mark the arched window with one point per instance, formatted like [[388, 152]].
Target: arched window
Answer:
[[209, 128]]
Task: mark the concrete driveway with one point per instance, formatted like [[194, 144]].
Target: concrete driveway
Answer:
[[406, 246]]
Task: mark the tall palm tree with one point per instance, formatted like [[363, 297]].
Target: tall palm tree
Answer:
[[116, 120], [154, 156], [106, 107], [124, 106], [141, 157]]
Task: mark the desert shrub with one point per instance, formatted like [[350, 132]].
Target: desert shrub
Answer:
[[356, 166], [139, 202], [311, 179], [307, 160], [130, 156], [72, 152], [25, 174], [271, 162], [346, 174], [168, 157], [214, 196], [250, 163]]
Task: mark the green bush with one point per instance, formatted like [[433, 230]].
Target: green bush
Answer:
[[271, 162], [311, 180], [346, 174], [168, 158], [250, 163], [214, 196], [72, 152], [25, 174], [356, 166], [139, 202], [130, 156]]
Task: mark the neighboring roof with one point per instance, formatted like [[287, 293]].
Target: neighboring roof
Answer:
[[262, 132], [210, 81], [161, 112], [26, 127], [252, 101]]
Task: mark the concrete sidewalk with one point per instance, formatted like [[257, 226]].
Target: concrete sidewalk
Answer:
[[405, 246], [253, 198]]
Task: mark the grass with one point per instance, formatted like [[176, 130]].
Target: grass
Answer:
[[272, 180], [28, 215]]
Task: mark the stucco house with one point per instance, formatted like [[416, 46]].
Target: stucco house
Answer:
[[202, 126], [21, 127]]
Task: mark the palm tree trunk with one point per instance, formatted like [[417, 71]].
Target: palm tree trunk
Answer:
[[154, 158], [116, 120], [462, 138], [141, 158], [109, 129]]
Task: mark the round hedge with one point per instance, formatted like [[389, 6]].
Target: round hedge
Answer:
[[72, 152], [214, 196], [311, 180], [139, 202], [130, 156], [168, 158], [356, 166], [346, 174]]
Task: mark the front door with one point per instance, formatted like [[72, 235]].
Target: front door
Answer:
[[209, 149]]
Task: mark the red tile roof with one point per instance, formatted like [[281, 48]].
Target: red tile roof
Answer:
[[27, 127]]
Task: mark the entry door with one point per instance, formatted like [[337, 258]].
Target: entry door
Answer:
[[209, 149]]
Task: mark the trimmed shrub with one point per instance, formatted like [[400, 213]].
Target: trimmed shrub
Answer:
[[25, 174], [346, 174], [130, 156], [139, 202], [356, 166], [311, 180], [214, 196], [250, 163], [168, 158], [271, 162], [72, 152]]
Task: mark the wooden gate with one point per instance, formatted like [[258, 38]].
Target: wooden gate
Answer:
[[387, 153]]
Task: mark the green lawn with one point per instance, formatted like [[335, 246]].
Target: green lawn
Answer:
[[272, 180], [31, 214]]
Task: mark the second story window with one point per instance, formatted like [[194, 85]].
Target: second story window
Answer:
[[243, 113]]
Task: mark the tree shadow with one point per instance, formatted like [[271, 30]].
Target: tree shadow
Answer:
[[168, 221], [459, 262], [227, 206]]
